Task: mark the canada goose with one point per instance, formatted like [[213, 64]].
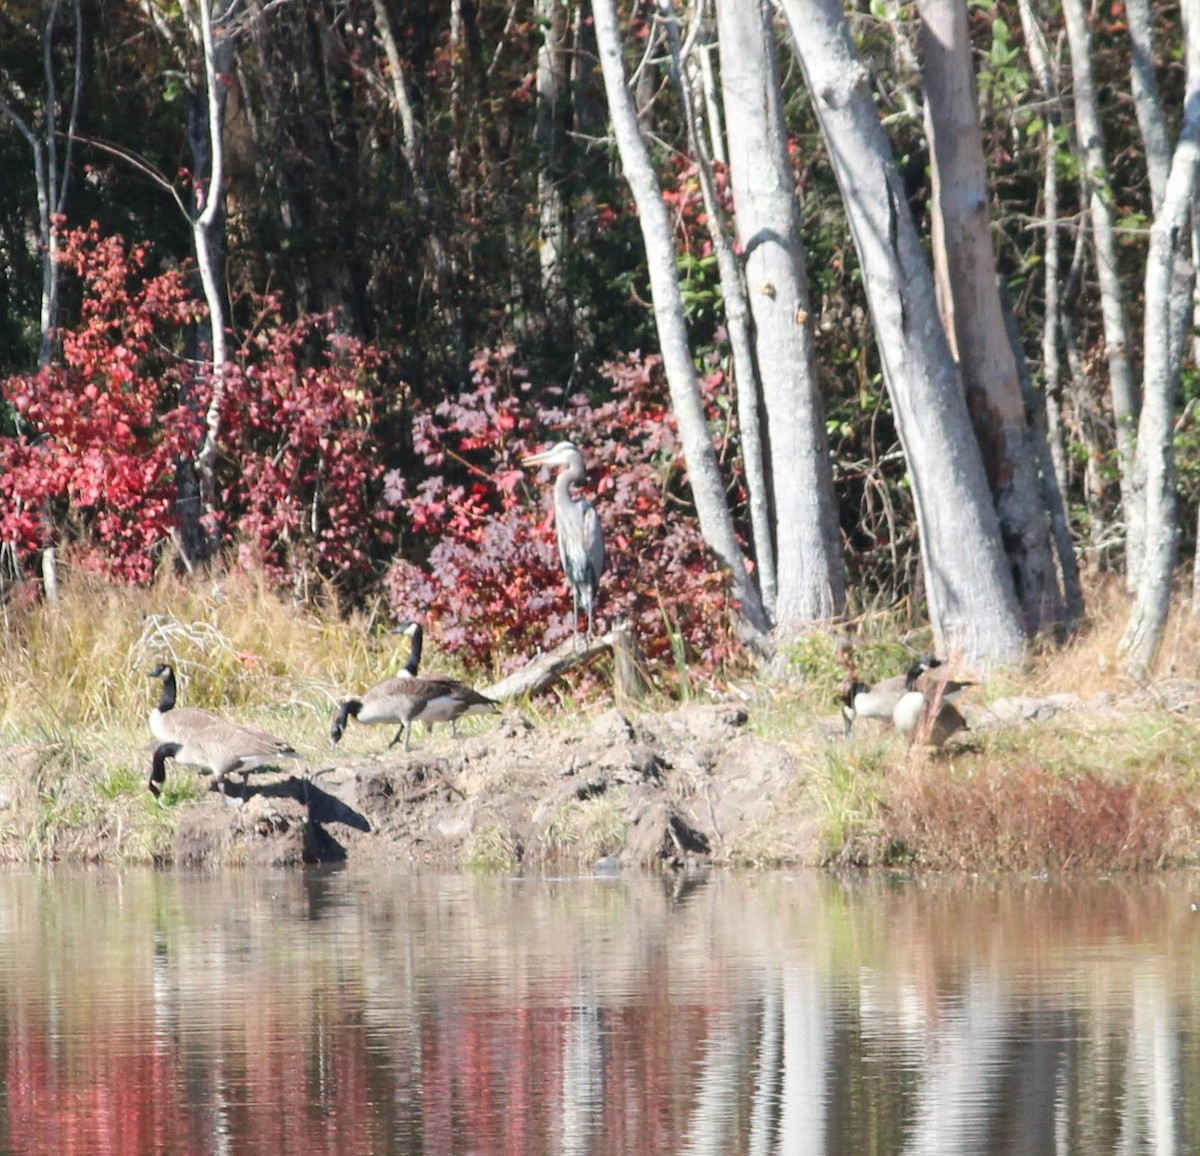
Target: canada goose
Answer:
[[879, 700], [406, 699], [199, 738], [925, 716], [580, 536]]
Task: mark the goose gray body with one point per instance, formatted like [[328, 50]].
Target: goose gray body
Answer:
[[206, 741], [577, 526], [406, 698], [924, 715]]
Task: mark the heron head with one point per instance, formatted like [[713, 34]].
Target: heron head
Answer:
[[562, 454]]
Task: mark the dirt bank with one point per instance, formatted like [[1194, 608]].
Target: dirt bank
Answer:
[[679, 789]]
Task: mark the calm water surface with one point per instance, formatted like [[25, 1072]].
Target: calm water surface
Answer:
[[344, 1013]]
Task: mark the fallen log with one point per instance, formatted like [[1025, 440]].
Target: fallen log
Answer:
[[546, 669]]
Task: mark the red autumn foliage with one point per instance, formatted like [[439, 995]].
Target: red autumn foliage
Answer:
[[100, 431]]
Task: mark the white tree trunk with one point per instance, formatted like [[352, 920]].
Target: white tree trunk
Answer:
[[972, 312], [716, 523], [972, 601], [737, 314], [1112, 307], [207, 226], [1156, 429], [808, 551]]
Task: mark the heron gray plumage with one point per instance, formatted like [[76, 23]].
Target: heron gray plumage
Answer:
[[580, 537]]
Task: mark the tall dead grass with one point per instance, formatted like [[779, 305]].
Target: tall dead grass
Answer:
[[236, 644]]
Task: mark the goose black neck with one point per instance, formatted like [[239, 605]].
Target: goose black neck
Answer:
[[914, 673], [167, 702], [414, 656]]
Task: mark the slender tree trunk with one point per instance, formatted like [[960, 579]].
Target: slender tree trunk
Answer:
[[1156, 429], [972, 310], [207, 237], [811, 579], [737, 313], [972, 600], [716, 523], [1112, 307], [552, 96]]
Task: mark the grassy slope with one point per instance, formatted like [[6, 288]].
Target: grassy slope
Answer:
[[1098, 789]]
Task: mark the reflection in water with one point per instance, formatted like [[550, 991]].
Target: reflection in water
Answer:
[[335, 1013]]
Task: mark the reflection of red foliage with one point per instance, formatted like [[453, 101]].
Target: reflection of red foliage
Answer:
[[484, 1072]]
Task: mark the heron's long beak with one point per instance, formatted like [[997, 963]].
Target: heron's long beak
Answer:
[[535, 459]]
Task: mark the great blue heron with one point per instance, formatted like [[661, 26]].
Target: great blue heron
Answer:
[[580, 538]]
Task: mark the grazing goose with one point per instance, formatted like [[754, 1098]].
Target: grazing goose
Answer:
[[580, 537], [925, 716], [199, 738], [406, 699], [879, 701]]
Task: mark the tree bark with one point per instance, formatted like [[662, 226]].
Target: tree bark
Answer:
[[1156, 429], [971, 309], [972, 600], [552, 95], [737, 314], [208, 239], [811, 579], [716, 522], [1112, 308]]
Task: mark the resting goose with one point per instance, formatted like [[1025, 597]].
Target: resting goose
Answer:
[[406, 699], [201, 739], [925, 716], [879, 700]]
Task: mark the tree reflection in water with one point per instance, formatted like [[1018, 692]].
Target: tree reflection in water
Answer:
[[341, 1013]]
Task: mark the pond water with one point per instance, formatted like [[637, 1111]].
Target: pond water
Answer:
[[345, 1012]]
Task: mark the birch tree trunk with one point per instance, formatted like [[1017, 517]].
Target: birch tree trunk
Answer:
[[972, 600], [737, 315], [716, 522], [972, 312], [207, 237], [1112, 306], [811, 580], [51, 184], [1156, 429]]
